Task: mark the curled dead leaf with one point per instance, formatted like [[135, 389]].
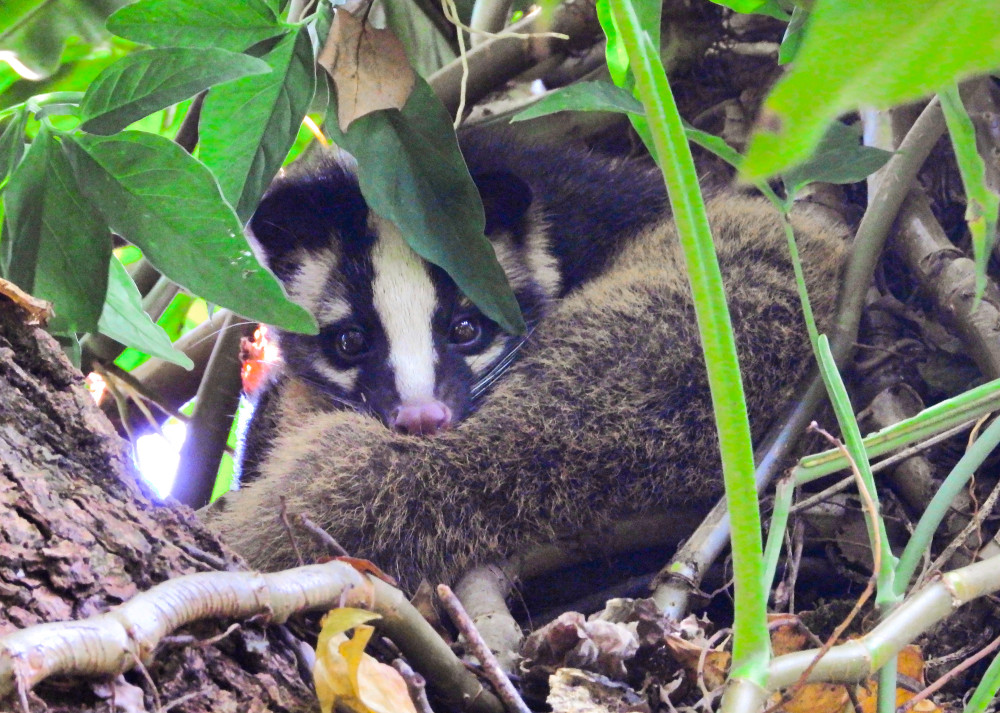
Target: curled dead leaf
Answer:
[[349, 679], [571, 640]]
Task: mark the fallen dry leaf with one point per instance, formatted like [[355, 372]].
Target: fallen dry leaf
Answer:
[[817, 698], [909, 663], [869, 700], [368, 66], [574, 691], [689, 655], [787, 637], [571, 640], [349, 679]]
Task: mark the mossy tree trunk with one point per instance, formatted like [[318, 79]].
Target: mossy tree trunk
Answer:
[[78, 536]]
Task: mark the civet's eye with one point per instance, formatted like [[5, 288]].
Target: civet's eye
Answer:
[[465, 332], [351, 343]]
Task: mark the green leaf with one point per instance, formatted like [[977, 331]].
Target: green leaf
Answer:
[[771, 8], [124, 320], [714, 144], [12, 143], [982, 204], [248, 126], [35, 33], [426, 48], [648, 16], [614, 51], [839, 158], [875, 54], [223, 24], [144, 82], [583, 96], [411, 172], [59, 246], [159, 198], [986, 690], [794, 33]]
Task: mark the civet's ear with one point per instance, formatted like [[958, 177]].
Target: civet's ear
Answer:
[[506, 199], [304, 210]]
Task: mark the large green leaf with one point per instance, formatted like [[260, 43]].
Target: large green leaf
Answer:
[[862, 53], [248, 126], [12, 142], [124, 320], [33, 34], [144, 82], [223, 24], [839, 158], [59, 247], [411, 171], [426, 48], [155, 195], [759, 7], [583, 96]]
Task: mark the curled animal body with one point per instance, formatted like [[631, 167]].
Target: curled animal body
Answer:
[[601, 412]]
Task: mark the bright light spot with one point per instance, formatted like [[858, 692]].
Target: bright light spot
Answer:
[[95, 384], [158, 456]]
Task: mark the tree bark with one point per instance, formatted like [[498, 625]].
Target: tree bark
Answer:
[[79, 534]]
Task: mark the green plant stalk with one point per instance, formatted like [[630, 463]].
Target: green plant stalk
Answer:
[[886, 699], [885, 596], [845, 418], [982, 203], [929, 422], [751, 646], [986, 690], [783, 494], [939, 505]]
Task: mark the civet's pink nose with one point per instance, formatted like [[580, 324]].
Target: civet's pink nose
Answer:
[[421, 419]]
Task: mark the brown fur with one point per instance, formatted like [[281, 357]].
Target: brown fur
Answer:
[[606, 414]]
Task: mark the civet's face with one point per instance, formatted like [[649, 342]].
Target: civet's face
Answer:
[[397, 338]]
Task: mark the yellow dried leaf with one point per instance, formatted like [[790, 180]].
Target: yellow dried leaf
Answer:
[[910, 662], [347, 677], [817, 698], [368, 66], [869, 700], [787, 636], [715, 665]]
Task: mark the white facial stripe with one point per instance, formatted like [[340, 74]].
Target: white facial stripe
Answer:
[[307, 284], [344, 379], [404, 298], [332, 309], [481, 363]]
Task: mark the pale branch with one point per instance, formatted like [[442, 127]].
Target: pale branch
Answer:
[[948, 276], [855, 660], [491, 667], [483, 592], [128, 635], [499, 59]]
